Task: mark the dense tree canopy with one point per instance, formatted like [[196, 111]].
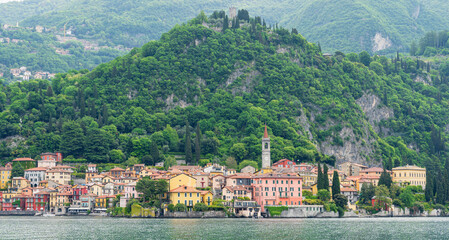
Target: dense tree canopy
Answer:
[[229, 84]]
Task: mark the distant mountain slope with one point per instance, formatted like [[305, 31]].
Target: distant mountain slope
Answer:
[[345, 25]]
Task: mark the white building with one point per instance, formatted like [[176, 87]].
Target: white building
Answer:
[[35, 175]]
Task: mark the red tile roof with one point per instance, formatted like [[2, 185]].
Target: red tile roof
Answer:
[[22, 160], [37, 169], [185, 189]]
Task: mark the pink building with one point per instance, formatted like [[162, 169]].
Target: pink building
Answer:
[[51, 157], [277, 189], [284, 163]]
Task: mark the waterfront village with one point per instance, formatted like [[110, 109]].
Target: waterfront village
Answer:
[[50, 187]]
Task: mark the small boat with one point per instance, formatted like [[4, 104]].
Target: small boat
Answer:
[[48, 215]]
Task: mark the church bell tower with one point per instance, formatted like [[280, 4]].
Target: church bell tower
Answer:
[[266, 155]]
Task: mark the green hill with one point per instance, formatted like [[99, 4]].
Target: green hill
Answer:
[[43, 52], [229, 84], [345, 25]]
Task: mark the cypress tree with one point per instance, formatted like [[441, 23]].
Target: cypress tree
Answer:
[[49, 92], [319, 178], [154, 152], [105, 115], [385, 179], [188, 145], [335, 184], [198, 144], [325, 178], [225, 23], [82, 104]]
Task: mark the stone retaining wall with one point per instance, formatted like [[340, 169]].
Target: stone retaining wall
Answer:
[[208, 214], [17, 213]]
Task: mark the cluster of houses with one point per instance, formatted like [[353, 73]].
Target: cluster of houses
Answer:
[[49, 187], [23, 74]]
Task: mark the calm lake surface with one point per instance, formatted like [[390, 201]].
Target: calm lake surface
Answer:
[[124, 228]]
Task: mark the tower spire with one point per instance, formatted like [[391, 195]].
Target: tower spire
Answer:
[[266, 156]]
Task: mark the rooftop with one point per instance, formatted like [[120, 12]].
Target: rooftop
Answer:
[[23, 160], [185, 189], [409, 167]]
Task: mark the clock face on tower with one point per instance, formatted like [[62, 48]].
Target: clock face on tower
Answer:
[[265, 158]]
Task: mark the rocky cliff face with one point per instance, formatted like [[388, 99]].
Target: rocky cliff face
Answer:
[[358, 148], [374, 111]]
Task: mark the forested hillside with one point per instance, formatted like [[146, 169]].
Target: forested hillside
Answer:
[[432, 44], [207, 92], [345, 25], [38, 52]]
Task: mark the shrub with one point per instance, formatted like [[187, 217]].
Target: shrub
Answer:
[[200, 207], [312, 202], [171, 207], [276, 211], [180, 207]]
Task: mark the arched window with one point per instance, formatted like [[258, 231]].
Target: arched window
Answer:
[[266, 145]]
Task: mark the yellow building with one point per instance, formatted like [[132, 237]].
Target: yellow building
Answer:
[[308, 178], [97, 189], [186, 195], [103, 201], [145, 173], [181, 180], [410, 175], [5, 176], [108, 179], [207, 197], [58, 176], [19, 183]]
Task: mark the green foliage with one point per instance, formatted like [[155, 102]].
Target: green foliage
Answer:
[[231, 163], [398, 203], [200, 207], [151, 189], [180, 207], [325, 177], [324, 195], [330, 207], [340, 200], [367, 192], [17, 171], [276, 211], [407, 198], [431, 44], [335, 185], [37, 52], [312, 202], [131, 161], [127, 23], [307, 194], [171, 207], [166, 82], [385, 179], [245, 163], [117, 156]]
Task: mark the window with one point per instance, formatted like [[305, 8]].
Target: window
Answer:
[[179, 194], [282, 181]]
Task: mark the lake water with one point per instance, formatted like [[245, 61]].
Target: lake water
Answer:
[[124, 228]]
